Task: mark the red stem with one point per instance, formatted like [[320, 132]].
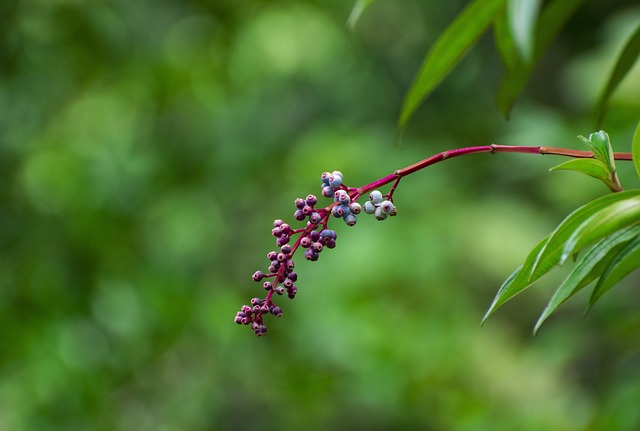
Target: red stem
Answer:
[[493, 148]]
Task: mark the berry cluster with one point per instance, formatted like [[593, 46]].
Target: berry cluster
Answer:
[[378, 206], [313, 238]]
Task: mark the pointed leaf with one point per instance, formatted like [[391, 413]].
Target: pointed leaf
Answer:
[[615, 216], [635, 150], [593, 168], [523, 15], [552, 254], [627, 261], [504, 41], [447, 51], [624, 63], [552, 19], [357, 11], [588, 269], [516, 282]]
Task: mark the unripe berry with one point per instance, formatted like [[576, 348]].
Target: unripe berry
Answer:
[[355, 208], [350, 219], [258, 275], [311, 200], [375, 196], [369, 207], [386, 207], [315, 218], [299, 215], [299, 202], [327, 191]]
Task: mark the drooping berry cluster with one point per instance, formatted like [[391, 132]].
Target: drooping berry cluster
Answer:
[[313, 238]]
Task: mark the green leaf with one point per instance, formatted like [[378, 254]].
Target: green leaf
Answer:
[[624, 63], [523, 15], [447, 51], [516, 282], [552, 19], [504, 42], [593, 168], [635, 150], [552, 253], [627, 261], [357, 11], [613, 217], [588, 269]]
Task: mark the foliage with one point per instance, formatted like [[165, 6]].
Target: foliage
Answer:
[[522, 36]]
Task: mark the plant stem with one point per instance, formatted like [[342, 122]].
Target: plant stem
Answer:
[[493, 148]]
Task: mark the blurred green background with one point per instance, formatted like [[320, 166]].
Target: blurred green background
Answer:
[[146, 147]]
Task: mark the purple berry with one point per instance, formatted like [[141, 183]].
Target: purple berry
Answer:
[[282, 257], [305, 242], [272, 255], [258, 275], [267, 285], [315, 218], [290, 265], [330, 243], [285, 229], [317, 247], [310, 255], [282, 240], [311, 200], [276, 311], [299, 215], [286, 249], [277, 223], [342, 197], [293, 276], [327, 191], [287, 282], [338, 211], [279, 290], [299, 203]]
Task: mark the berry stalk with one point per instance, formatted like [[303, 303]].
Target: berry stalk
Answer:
[[316, 236]]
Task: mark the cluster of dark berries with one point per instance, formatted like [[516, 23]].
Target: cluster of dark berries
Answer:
[[313, 238], [253, 315], [305, 208], [378, 206], [315, 242]]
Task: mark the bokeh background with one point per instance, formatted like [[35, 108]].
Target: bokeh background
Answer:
[[146, 147]]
